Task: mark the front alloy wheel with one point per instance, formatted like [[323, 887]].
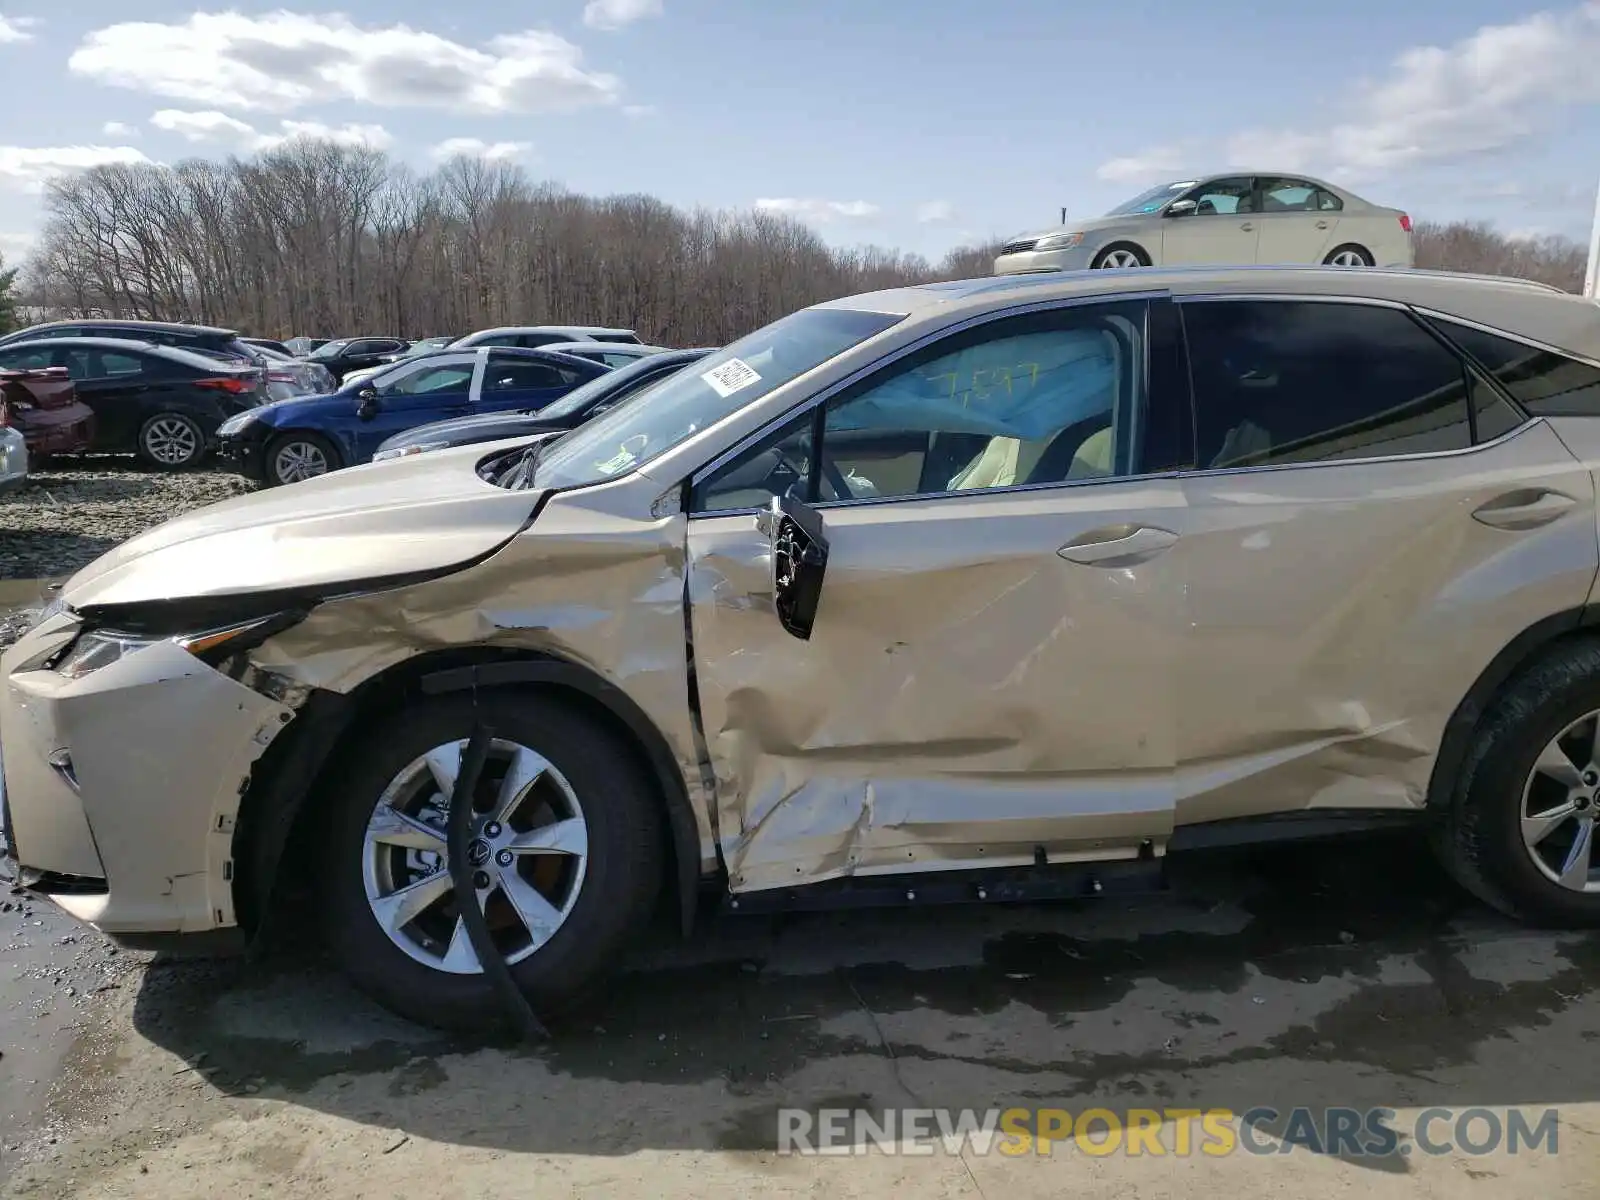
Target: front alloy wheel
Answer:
[[1119, 259], [295, 459], [566, 852], [528, 853]]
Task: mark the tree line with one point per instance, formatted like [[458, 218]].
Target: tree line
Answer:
[[326, 239]]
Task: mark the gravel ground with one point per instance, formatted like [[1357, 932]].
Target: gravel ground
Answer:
[[62, 520]]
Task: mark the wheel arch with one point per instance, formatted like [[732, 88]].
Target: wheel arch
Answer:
[[1511, 662], [282, 799]]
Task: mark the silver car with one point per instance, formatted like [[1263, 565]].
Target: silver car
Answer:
[[1224, 219], [976, 590]]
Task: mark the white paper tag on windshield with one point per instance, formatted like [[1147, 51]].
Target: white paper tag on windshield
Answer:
[[732, 376]]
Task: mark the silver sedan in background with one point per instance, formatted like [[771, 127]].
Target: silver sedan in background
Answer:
[[1223, 220]]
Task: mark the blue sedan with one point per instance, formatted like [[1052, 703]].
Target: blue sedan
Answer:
[[307, 436]]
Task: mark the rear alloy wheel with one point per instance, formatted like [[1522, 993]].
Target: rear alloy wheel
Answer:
[[1521, 834], [171, 442], [1120, 258], [566, 854], [295, 457], [1348, 256]]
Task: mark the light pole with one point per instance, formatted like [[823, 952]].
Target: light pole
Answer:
[[1591, 276]]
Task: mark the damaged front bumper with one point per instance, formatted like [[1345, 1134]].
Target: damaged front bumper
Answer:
[[122, 778]]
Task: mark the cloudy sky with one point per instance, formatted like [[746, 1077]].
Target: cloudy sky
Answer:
[[914, 123]]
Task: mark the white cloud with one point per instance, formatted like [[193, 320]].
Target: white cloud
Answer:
[[16, 246], [936, 211], [639, 110], [17, 29], [472, 147], [374, 136], [1150, 166], [119, 129], [614, 14], [209, 126], [28, 167], [283, 61], [1436, 104], [817, 210], [218, 127]]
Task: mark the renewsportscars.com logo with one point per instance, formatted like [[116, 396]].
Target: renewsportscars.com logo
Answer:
[[1177, 1132]]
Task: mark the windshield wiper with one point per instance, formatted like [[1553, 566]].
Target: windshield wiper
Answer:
[[520, 476]]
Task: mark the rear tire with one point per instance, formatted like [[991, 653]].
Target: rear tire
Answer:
[[293, 457], [1348, 255], [595, 782], [171, 442], [1542, 723]]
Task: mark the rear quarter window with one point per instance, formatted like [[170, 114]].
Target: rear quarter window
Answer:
[[1545, 383]]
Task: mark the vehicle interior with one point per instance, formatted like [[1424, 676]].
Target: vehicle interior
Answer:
[[1053, 406]]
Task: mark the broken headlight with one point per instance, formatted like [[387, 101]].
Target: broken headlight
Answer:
[[95, 649]]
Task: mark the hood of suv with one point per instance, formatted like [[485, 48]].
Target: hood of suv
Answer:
[[412, 515]]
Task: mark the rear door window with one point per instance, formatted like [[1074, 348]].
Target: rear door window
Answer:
[[120, 366], [513, 375], [1278, 382], [1287, 195]]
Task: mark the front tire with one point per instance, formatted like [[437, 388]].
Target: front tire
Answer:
[[171, 442], [1520, 834], [1120, 256], [293, 457], [569, 830]]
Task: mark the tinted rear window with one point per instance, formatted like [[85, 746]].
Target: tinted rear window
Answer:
[[1545, 383]]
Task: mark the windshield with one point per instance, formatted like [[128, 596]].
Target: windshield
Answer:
[[696, 398], [1150, 200], [330, 349]]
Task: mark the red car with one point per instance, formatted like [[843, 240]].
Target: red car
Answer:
[[43, 406]]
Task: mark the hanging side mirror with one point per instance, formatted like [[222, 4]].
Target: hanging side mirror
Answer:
[[1183, 208], [799, 561], [367, 403]]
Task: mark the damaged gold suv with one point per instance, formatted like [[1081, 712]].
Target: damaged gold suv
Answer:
[[948, 592]]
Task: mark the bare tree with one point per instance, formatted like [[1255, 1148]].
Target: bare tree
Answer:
[[1475, 246], [320, 238]]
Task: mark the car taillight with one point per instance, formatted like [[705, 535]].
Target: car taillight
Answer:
[[228, 383], [280, 376], [1405, 222]]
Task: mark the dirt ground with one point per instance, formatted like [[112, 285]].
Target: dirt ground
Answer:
[[1347, 977]]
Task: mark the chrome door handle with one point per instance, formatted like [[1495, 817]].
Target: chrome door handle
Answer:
[[1247, 225], [1117, 545], [1527, 508]]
